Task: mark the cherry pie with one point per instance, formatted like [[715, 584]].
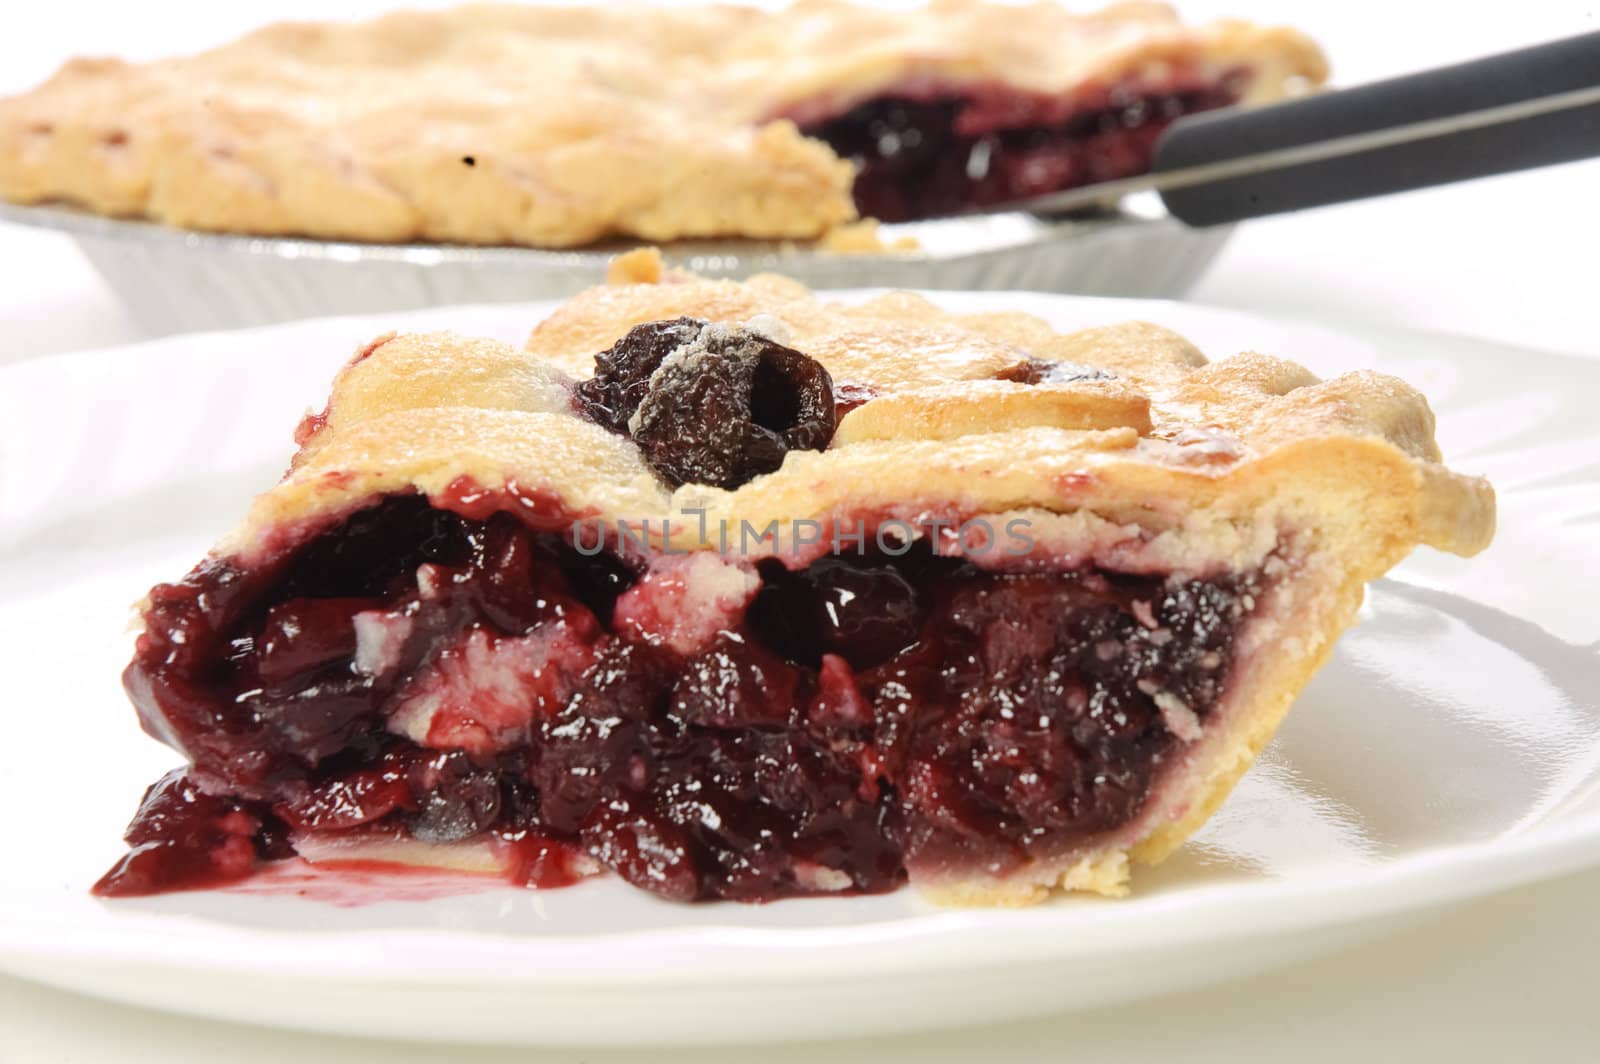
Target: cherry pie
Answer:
[[556, 127], [742, 594]]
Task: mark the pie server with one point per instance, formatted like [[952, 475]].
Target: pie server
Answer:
[[1534, 107]]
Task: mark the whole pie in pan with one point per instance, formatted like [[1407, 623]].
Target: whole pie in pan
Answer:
[[739, 593], [555, 127]]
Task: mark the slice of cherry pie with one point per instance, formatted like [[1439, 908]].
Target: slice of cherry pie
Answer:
[[561, 126], [742, 594]]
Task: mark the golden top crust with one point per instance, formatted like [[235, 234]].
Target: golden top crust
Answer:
[[1128, 426], [557, 126]]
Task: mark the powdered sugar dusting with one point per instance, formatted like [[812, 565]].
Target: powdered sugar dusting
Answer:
[[771, 326]]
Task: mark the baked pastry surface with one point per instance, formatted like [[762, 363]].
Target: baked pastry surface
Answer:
[[557, 127], [1184, 541]]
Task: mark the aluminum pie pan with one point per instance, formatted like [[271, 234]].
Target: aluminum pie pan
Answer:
[[175, 280]]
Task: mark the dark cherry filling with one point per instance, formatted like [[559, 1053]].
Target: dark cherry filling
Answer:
[[455, 676], [183, 839], [937, 150]]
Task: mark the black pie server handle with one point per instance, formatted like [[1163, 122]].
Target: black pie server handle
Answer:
[[1458, 137]]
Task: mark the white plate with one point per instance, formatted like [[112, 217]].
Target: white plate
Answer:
[[1451, 748]]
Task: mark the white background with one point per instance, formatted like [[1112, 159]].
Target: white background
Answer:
[[1511, 258]]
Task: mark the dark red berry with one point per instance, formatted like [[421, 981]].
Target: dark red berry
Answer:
[[643, 847], [864, 610], [348, 800], [599, 742], [182, 839], [622, 372], [456, 800], [272, 839], [305, 634], [735, 684], [792, 396], [728, 407]]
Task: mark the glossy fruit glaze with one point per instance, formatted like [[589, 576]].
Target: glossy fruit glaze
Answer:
[[931, 148], [456, 671]]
